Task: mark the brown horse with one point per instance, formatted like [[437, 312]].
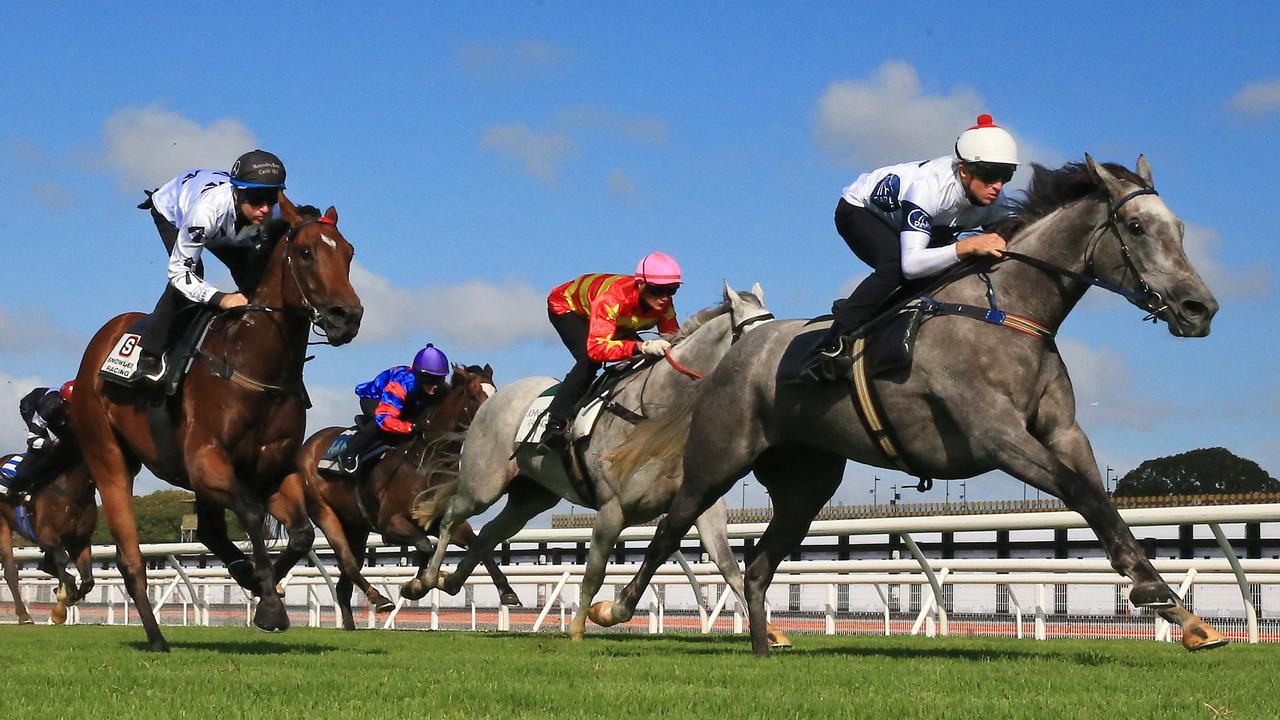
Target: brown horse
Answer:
[[64, 516], [241, 413], [384, 501]]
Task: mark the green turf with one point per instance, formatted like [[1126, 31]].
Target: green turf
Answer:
[[94, 672]]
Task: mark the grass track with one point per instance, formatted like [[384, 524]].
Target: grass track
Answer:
[[95, 672]]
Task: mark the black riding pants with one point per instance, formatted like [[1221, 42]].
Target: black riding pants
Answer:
[[41, 466], [878, 245], [368, 430], [172, 305], [572, 329]]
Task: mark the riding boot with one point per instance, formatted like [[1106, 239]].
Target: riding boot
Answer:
[[554, 437], [830, 359], [151, 368]]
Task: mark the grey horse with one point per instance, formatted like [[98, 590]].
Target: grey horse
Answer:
[[978, 398], [534, 482]]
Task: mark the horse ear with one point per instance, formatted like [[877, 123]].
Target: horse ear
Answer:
[[332, 214], [288, 210], [1144, 171], [1101, 175], [488, 370], [728, 291], [758, 292]]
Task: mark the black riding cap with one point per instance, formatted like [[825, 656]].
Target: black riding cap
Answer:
[[258, 169]]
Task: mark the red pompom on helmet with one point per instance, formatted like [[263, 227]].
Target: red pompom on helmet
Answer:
[[67, 388]]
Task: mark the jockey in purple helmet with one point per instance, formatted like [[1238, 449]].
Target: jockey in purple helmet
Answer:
[[392, 398]]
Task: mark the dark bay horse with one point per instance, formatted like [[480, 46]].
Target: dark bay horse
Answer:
[[385, 501], [65, 516], [241, 414], [977, 398]]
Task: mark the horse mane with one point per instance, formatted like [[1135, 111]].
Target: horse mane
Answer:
[[1050, 189], [703, 316]]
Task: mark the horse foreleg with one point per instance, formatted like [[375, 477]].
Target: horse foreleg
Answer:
[[713, 531], [271, 615], [525, 500], [609, 523], [211, 531], [463, 536], [348, 547], [84, 565], [11, 574], [57, 561]]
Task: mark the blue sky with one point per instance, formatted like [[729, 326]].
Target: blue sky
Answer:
[[481, 154]]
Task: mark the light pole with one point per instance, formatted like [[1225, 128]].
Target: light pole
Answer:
[[875, 487], [744, 494], [896, 495], [962, 486], [948, 491], [1109, 472]]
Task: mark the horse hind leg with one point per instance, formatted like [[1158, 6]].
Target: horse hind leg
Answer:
[[525, 500], [713, 530], [464, 536], [800, 483], [11, 575], [604, 535]]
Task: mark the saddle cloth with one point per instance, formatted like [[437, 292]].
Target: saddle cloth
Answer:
[[535, 418], [9, 471], [121, 365], [329, 463]]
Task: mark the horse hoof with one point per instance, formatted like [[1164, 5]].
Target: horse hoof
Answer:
[[440, 580], [510, 599], [601, 613], [160, 645], [1200, 635], [415, 589], [59, 615], [778, 639], [1155, 595], [271, 620], [26, 621], [577, 634]]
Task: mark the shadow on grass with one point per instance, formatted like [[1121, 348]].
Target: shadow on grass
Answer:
[[626, 644], [261, 647]]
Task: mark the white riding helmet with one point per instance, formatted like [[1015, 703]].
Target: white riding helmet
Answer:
[[987, 142]]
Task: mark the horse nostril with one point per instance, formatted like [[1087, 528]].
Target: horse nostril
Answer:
[[337, 313], [1194, 308]]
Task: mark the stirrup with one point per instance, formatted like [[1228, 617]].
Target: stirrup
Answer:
[[159, 373], [828, 364]]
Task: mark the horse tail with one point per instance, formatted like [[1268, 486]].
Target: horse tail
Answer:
[[659, 439], [440, 461]]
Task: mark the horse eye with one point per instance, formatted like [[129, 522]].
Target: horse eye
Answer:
[[1135, 227], [304, 253]]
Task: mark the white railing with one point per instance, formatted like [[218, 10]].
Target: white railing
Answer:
[[1025, 579]]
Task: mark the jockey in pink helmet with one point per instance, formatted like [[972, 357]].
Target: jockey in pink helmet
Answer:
[[598, 317]]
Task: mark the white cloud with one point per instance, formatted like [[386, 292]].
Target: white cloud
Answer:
[[1259, 98], [1203, 244], [888, 118], [148, 146], [540, 154], [1103, 386], [331, 405], [13, 432], [34, 333], [526, 58], [621, 184], [649, 131], [469, 315]]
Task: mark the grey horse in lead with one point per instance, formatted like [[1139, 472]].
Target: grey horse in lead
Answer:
[[533, 483], [978, 397]]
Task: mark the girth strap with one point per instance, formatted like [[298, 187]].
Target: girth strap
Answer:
[[873, 417]]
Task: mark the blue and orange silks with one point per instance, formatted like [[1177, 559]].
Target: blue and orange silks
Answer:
[[391, 389]]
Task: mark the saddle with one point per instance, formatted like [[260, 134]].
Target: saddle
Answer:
[[9, 472], [586, 414]]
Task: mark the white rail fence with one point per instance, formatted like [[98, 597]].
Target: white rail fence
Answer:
[[188, 595]]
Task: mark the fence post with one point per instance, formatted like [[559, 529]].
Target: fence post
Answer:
[[831, 609], [1250, 612], [1041, 633]]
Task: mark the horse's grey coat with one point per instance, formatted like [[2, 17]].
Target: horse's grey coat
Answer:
[[979, 397], [488, 472]]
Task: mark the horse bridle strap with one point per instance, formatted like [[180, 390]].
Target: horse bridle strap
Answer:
[[740, 328], [222, 368]]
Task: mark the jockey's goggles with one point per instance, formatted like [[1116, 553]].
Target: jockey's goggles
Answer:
[[992, 173], [260, 196], [663, 290]]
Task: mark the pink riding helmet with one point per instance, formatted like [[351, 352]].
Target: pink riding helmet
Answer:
[[658, 268]]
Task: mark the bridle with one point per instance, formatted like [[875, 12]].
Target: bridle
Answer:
[[1143, 296], [739, 329]]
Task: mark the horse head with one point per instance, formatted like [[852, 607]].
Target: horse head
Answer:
[[1147, 255], [317, 273], [476, 385]]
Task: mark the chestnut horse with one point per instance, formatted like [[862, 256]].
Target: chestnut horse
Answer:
[[64, 516], [384, 501], [241, 414]]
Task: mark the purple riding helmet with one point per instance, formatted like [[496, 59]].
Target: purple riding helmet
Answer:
[[431, 361]]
